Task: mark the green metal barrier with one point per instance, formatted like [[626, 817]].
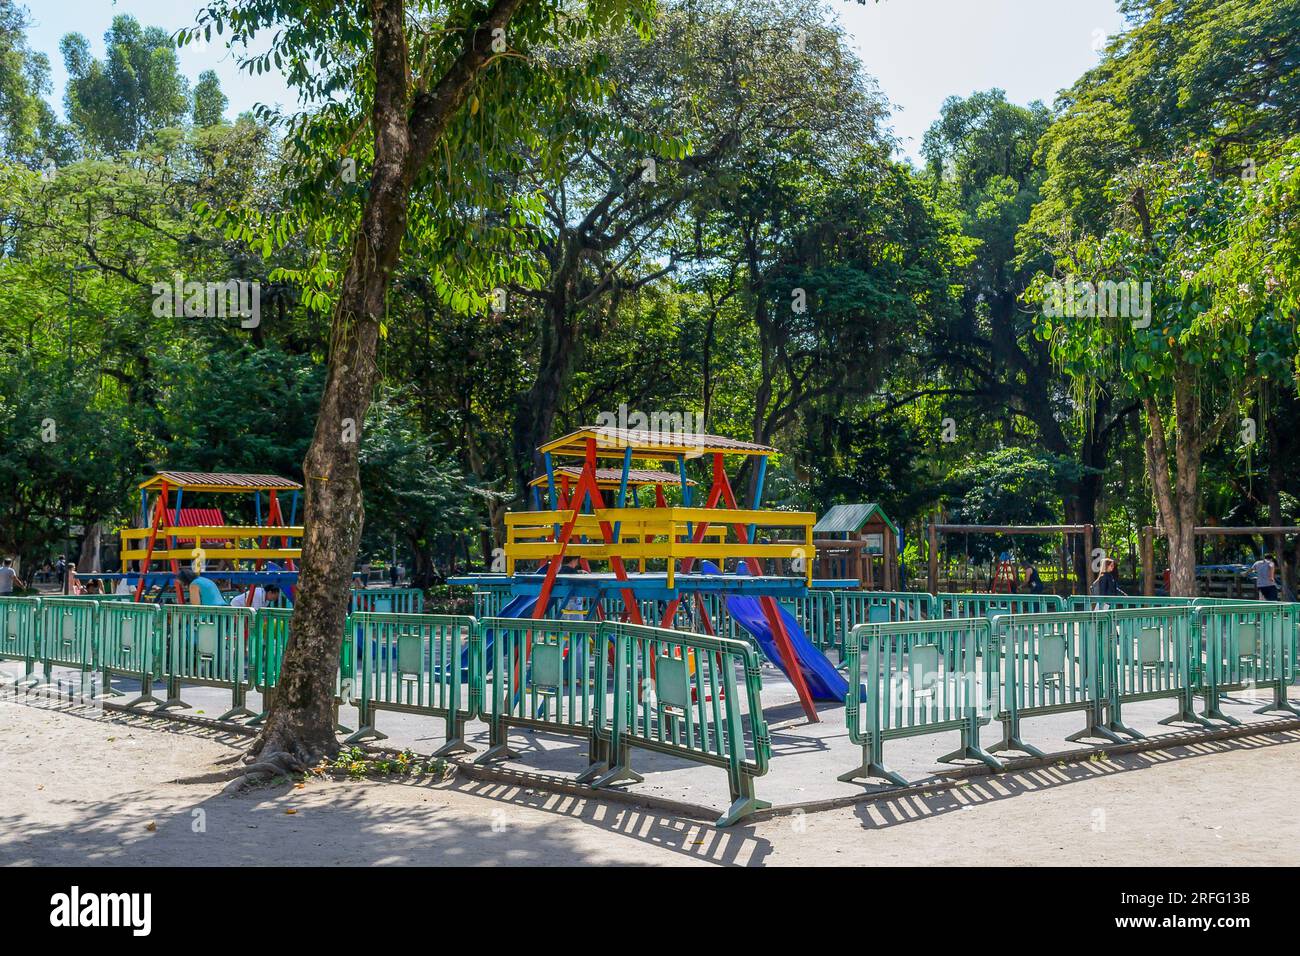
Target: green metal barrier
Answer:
[[67, 635], [677, 693], [412, 663], [1246, 648], [489, 603], [987, 605], [208, 646], [129, 642], [816, 614], [545, 675], [1119, 602], [1045, 664], [20, 634], [386, 601], [266, 648], [921, 677], [1150, 653], [879, 607]]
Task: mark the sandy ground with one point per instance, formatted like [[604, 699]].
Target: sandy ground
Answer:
[[84, 787]]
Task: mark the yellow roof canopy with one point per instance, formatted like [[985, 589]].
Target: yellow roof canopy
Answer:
[[613, 477], [218, 482], [650, 444]]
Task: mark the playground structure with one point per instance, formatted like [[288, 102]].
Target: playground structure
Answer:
[[679, 549], [1005, 578], [859, 542], [170, 533]]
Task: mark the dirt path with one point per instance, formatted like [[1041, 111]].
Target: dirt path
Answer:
[[87, 788]]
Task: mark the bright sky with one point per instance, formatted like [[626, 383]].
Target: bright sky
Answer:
[[921, 51]]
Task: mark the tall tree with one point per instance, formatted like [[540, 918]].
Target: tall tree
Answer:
[[417, 85], [136, 89]]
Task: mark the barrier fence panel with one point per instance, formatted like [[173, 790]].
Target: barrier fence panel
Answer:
[[207, 645], [387, 601], [130, 644], [1150, 653], [489, 603], [416, 664], [912, 678], [266, 653], [677, 693], [1119, 602], [266, 649], [67, 634], [986, 605], [546, 675], [19, 634], [1246, 648], [879, 607], [816, 614], [1046, 664]]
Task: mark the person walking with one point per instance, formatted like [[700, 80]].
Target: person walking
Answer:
[[1107, 581], [9, 577], [1265, 578]]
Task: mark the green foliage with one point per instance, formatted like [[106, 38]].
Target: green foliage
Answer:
[[136, 90], [209, 103], [1009, 486], [28, 129]]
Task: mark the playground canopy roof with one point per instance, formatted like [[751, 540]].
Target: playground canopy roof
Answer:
[[850, 519], [613, 477], [653, 445], [218, 481]]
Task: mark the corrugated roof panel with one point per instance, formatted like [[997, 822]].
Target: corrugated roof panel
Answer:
[[650, 444], [849, 519], [223, 480]]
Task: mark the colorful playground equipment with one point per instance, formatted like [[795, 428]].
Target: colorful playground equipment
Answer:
[[170, 533], [679, 549]]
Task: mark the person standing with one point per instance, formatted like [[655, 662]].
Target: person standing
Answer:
[[9, 577], [1265, 578]]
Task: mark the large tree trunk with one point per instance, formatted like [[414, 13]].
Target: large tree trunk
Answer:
[[535, 418], [299, 728], [1176, 494]]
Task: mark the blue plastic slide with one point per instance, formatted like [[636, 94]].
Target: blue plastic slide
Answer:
[[521, 605], [823, 680]]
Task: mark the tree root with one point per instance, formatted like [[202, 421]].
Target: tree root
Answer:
[[265, 768]]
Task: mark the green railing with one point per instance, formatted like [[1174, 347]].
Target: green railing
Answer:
[[129, 642], [412, 663], [386, 601], [678, 693], [208, 646], [987, 605], [1248, 646], [20, 634], [1044, 664], [1149, 653], [913, 678], [818, 614], [693, 696], [67, 634], [1119, 602], [544, 675]]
